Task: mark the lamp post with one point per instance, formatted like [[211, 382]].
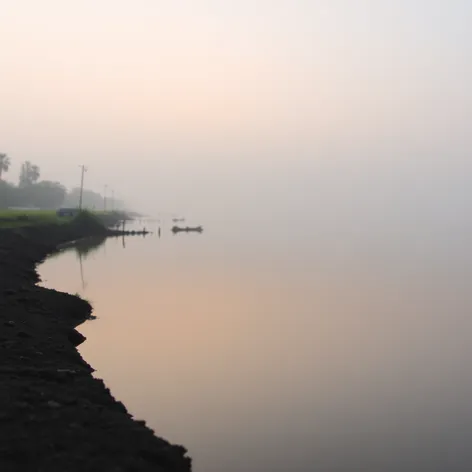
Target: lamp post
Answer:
[[105, 199], [83, 170]]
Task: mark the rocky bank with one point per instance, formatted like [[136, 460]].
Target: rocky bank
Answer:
[[54, 415]]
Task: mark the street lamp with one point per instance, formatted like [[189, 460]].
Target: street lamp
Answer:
[[84, 169], [105, 199]]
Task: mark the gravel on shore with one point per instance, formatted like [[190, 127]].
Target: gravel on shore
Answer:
[[54, 415]]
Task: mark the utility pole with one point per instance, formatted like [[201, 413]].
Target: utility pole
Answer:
[[84, 169], [105, 199], [112, 200]]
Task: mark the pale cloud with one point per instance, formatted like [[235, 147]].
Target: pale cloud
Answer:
[[160, 97]]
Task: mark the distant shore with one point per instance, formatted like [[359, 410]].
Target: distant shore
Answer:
[[54, 415]]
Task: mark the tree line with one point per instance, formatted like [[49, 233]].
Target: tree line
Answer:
[[31, 192]]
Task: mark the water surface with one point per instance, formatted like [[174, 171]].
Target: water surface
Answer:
[[285, 351]]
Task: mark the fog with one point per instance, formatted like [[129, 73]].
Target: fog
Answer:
[[347, 114], [321, 321]]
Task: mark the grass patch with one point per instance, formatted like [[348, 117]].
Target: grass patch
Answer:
[[35, 213], [78, 295], [25, 218], [22, 218]]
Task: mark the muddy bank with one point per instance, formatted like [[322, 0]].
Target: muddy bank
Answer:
[[54, 416]]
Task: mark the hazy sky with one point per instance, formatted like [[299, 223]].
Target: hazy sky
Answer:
[[211, 106]]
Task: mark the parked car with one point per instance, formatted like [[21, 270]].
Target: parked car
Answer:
[[67, 212]]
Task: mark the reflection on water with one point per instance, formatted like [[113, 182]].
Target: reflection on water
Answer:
[[274, 354], [82, 249]]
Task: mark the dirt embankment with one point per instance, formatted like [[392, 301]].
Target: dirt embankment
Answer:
[[54, 416]]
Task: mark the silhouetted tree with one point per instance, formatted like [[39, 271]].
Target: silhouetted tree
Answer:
[[4, 164], [8, 194], [91, 200], [29, 174], [47, 195]]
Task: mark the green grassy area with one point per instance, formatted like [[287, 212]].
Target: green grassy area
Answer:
[[21, 218], [16, 213]]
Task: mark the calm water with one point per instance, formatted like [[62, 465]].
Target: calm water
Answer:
[[286, 351]]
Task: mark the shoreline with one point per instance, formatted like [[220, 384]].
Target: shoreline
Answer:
[[54, 415]]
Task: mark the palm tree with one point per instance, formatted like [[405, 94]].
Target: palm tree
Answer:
[[4, 164], [29, 174]]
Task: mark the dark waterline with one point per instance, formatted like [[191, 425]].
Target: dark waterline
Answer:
[[284, 352]]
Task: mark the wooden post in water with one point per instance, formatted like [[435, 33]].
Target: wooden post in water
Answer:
[[123, 237]]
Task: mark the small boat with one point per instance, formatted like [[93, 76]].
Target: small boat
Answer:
[[187, 229]]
